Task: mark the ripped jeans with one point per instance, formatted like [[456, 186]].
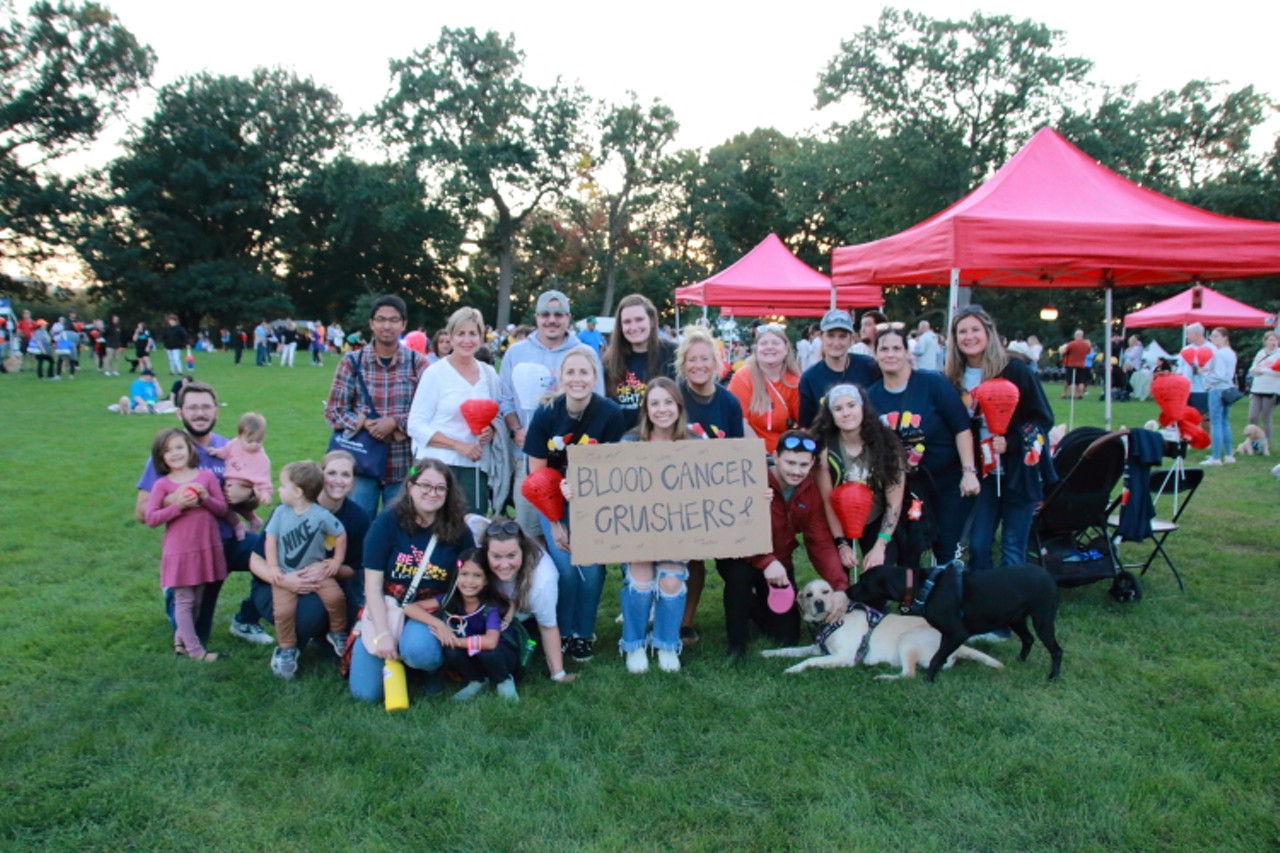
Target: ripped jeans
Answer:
[[666, 591]]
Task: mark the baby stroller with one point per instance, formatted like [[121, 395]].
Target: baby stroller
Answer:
[[1069, 532]]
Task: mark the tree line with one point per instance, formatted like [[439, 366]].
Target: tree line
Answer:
[[244, 197]]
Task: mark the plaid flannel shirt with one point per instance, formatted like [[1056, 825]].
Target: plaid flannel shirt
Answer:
[[390, 386]]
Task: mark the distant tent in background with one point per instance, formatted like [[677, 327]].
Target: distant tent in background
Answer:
[[1200, 305], [770, 280]]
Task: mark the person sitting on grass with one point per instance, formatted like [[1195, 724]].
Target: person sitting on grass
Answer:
[[143, 397], [468, 624], [298, 534]]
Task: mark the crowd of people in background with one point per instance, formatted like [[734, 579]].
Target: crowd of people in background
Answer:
[[413, 539]]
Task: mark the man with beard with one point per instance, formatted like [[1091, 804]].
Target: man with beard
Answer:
[[198, 411]]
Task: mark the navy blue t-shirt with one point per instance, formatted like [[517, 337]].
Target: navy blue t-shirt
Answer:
[[630, 389], [720, 418], [815, 382], [552, 429], [928, 414], [388, 549]]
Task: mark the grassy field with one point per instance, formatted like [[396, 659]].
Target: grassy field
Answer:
[[1161, 735]]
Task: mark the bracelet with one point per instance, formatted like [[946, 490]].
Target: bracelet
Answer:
[[559, 676], [840, 540], [884, 537], [970, 469], [473, 645]]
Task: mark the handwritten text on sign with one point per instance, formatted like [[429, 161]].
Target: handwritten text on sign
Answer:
[[680, 500]]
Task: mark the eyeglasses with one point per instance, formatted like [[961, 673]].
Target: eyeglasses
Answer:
[[504, 527], [429, 489], [798, 442], [896, 326], [388, 321]]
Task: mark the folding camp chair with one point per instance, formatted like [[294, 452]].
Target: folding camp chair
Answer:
[[1171, 491]]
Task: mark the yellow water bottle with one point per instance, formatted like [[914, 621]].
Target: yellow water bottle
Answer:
[[394, 688]]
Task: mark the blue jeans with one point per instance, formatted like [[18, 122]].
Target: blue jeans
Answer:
[[668, 608], [1012, 514], [950, 513], [260, 355], [367, 492], [419, 649], [580, 590], [1219, 426]]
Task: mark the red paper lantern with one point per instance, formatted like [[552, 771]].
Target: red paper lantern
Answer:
[[996, 398], [852, 503], [416, 341], [478, 414], [542, 489], [1171, 392], [1197, 356]]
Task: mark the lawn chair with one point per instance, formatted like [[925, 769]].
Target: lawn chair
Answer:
[[1069, 531], [1171, 492]]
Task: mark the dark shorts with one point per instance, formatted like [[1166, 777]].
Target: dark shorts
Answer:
[[1077, 375]]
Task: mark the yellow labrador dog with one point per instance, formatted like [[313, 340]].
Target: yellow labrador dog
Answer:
[[901, 641]]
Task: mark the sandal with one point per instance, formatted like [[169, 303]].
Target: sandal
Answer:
[[209, 657], [179, 649]]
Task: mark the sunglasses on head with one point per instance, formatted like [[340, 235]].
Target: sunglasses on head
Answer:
[[796, 442], [775, 328], [896, 326], [505, 527], [969, 310]]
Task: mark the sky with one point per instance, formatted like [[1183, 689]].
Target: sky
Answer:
[[723, 68]]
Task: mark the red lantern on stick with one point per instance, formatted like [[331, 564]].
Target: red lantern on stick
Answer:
[[997, 399], [1171, 392], [542, 489], [1196, 356], [478, 414], [852, 503]]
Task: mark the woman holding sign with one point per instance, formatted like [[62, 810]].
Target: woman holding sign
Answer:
[[1010, 452], [574, 415], [712, 412], [658, 585], [861, 473]]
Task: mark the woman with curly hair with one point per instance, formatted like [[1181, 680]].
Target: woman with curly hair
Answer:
[[424, 527], [858, 448], [635, 355]]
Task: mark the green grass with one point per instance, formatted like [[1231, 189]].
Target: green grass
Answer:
[[1161, 735]]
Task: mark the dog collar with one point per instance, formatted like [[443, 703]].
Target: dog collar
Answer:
[[916, 600], [821, 635]]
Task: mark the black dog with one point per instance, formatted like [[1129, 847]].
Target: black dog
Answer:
[[960, 603]]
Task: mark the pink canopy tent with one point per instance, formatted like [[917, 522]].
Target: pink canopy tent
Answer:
[[771, 280], [1053, 217], [1200, 305]]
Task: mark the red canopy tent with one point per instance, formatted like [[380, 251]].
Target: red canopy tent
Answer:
[[1053, 217], [1200, 305], [771, 280]]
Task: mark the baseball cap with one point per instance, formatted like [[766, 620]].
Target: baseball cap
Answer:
[[837, 319], [546, 300]]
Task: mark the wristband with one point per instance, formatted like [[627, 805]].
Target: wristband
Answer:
[[559, 676], [884, 537], [840, 540], [473, 645]]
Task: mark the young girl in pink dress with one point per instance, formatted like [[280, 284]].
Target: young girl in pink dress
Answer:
[[188, 502]]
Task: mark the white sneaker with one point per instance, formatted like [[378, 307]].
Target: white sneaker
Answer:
[[637, 661], [1209, 462], [1228, 460], [668, 661]]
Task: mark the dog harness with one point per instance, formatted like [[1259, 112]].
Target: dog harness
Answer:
[[821, 635], [921, 597]]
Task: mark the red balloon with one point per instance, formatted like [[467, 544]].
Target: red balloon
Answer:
[[542, 489], [852, 503], [416, 341], [478, 414], [997, 398]]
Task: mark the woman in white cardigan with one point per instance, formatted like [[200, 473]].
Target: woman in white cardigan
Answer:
[[436, 424]]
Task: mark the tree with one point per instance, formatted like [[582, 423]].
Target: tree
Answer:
[[364, 228], [65, 70], [188, 219], [632, 142], [462, 107], [987, 81]]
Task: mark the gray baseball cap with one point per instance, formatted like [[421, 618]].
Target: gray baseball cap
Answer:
[[546, 303], [837, 319]]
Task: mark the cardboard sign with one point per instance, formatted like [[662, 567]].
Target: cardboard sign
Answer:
[[682, 500]]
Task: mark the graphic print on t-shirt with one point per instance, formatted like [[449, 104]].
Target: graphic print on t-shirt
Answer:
[[907, 426], [630, 391]]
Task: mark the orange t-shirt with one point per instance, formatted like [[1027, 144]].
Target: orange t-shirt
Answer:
[[784, 409]]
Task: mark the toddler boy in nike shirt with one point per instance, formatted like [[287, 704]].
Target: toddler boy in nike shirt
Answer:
[[299, 534]]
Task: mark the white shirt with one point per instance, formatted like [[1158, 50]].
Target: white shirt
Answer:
[[544, 592], [437, 409]]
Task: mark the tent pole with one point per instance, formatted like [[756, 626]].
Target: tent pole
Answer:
[[953, 297], [832, 306], [1106, 366]]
